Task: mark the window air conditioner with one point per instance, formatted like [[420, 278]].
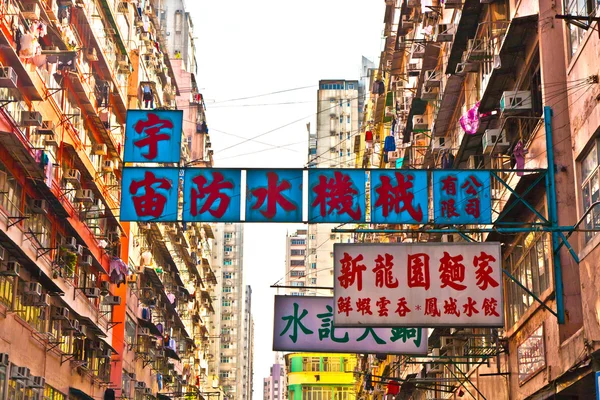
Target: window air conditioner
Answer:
[[445, 32], [449, 343], [31, 11], [12, 268], [70, 243], [413, 69], [112, 301], [418, 50], [99, 149], [72, 175], [430, 93], [19, 373], [39, 207], [86, 261], [33, 288], [42, 301], [433, 78], [90, 54], [8, 78], [476, 49], [107, 166], [70, 325], [466, 67], [91, 293], [494, 139], [4, 360], [31, 118], [60, 313], [36, 382], [122, 61], [434, 369], [420, 123], [515, 101], [390, 111], [96, 345], [140, 385], [84, 196], [47, 128], [440, 143]]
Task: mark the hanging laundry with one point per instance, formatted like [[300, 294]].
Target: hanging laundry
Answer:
[[159, 380], [389, 144], [28, 42], [118, 271], [469, 122], [447, 160], [519, 154]]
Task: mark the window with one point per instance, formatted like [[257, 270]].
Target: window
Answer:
[[313, 281], [228, 235], [312, 237], [228, 248], [296, 263], [311, 364], [297, 252], [298, 241], [298, 284], [317, 393], [332, 364], [297, 273], [227, 275], [50, 394], [590, 190], [297, 293], [341, 119], [332, 236], [228, 262], [225, 359], [129, 330], [313, 265], [226, 303], [227, 289], [351, 86], [578, 7], [348, 119], [529, 262]]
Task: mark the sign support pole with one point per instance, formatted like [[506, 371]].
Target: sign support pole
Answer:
[[553, 216]]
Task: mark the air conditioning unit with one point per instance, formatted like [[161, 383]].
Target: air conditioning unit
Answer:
[[47, 128], [51, 140], [42, 301], [445, 32], [143, 331], [494, 139], [476, 49], [99, 149], [433, 78], [31, 118], [96, 345], [514, 102], [148, 391], [393, 155], [420, 123], [140, 385], [104, 288], [122, 61], [430, 93], [104, 353], [453, 4], [90, 54], [112, 301], [388, 64], [19, 373], [84, 196], [33, 288], [70, 325], [8, 78], [86, 261], [36, 382], [31, 11], [70, 243], [413, 69], [108, 166], [79, 250], [418, 50], [12, 268], [72, 175], [460, 331], [60, 313], [390, 111], [440, 143], [399, 85], [466, 67], [39, 207], [91, 293], [4, 360]]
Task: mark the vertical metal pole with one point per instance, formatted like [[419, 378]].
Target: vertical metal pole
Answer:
[[553, 216]]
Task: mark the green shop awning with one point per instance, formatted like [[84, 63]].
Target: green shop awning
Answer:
[[79, 394]]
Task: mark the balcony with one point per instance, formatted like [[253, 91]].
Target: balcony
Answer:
[[465, 30]]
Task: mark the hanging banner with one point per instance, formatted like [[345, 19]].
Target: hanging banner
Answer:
[[399, 197], [153, 136], [418, 284], [462, 197], [149, 194], [336, 195], [305, 323], [274, 195], [213, 195]]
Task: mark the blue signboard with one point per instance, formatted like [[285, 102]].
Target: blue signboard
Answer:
[[274, 195], [149, 194], [399, 197], [153, 136], [597, 385], [211, 195], [336, 195], [462, 197]]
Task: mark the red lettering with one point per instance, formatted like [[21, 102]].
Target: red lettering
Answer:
[[490, 307], [151, 203], [344, 305], [397, 198], [382, 304], [452, 271], [351, 271], [336, 194], [451, 307], [469, 308], [364, 306], [213, 195], [431, 307], [418, 270], [272, 194], [383, 272], [402, 309], [484, 271], [151, 127]]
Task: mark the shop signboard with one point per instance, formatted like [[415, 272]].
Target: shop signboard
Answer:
[[531, 355], [418, 284]]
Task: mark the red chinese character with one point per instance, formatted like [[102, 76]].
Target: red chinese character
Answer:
[[272, 194], [449, 185], [469, 308], [213, 191], [451, 307], [471, 185], [383, 272], [344, 305], [418, 270], [489, 307], [151, 127], [483, 274], [452, 271], [382, 303], [151, 203], [391, 197], [402, 309], [364, 306], [336, 194], [473, 207], [351, 271], [431, 307], [449, 208]]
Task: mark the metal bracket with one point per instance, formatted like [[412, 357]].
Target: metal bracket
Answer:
[[16, 220], [577, 20], [112, 324]]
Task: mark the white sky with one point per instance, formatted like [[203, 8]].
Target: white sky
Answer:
[[247, 48]]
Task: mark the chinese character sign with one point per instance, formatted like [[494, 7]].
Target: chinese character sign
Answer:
[[399, 197], [149, 194], [211, 195], [274, 195], [153, 136], [306, 323], [462, 197], [531, 355], [428, 285], [336, 196]]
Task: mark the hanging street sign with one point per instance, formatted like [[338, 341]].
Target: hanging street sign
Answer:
[[305, 323], [418, 284], [399, 197], [149, 194], [274, 196], [153, 136], [336, 195], [213, 195], [462, 197]]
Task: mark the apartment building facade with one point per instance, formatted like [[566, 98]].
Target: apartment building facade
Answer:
[[511, 87], [274, 386], [92, 307]]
